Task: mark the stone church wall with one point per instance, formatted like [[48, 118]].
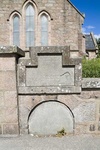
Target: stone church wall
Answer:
[[64, 22], [43, 92]]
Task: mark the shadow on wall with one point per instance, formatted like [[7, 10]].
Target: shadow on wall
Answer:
[[49, 118]]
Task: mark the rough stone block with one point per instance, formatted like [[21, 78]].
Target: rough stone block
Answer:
[[26, 101], [99, 126], [97, 94], [2, 114], [8, 114], [10, 129], [7, 80], [1, 98], [7, 63], [92, 127], [81, 128], [10, 98], [71, 101], [85, 112], [21, 75], [11, 115], [85, 95], [23, 116], [0, 129]]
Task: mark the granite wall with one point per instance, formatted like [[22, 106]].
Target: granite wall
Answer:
[[9, 123], [64, 22]]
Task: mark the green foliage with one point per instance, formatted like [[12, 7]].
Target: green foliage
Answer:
[[98, 43], [91, 68], [61, 133]]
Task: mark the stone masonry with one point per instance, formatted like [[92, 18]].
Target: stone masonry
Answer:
[[8, 90], [64, 23], [41, 88], [26, 105]]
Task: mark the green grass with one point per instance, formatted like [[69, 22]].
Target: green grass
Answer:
[[91, 68]]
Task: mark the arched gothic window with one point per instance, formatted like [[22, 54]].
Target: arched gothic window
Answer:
[[30, 25], [29, 29], [16, 30], [44, 30]]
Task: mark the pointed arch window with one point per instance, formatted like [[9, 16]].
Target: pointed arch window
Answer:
[[30, 25], [16, 30], [44, 30]]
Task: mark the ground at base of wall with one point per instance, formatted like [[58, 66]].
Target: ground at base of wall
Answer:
[[78, 142]]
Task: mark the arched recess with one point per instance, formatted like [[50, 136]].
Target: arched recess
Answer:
[[44, 28], [49, 117], [15, 28], [29, 12]]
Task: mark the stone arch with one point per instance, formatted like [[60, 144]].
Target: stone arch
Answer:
[[29, 1], [46, 13], [49, 117], [15, 12]]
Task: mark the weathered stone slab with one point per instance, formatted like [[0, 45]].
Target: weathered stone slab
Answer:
[[10, 129], [49, 118], [49, 90], [49, 70], [50, 73], [90, 83], [12, 50]]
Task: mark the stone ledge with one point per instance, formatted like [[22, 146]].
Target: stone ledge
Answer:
[[49, 90], [91, 83], [58, 55], [11, 50], [54, 50]]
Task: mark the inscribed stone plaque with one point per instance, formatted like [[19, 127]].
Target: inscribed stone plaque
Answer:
[[50, 73]]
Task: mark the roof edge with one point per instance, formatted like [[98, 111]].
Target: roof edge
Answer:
[[94, 41], [83, 15]]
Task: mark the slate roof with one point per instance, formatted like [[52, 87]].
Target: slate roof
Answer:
[[90, 42]]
